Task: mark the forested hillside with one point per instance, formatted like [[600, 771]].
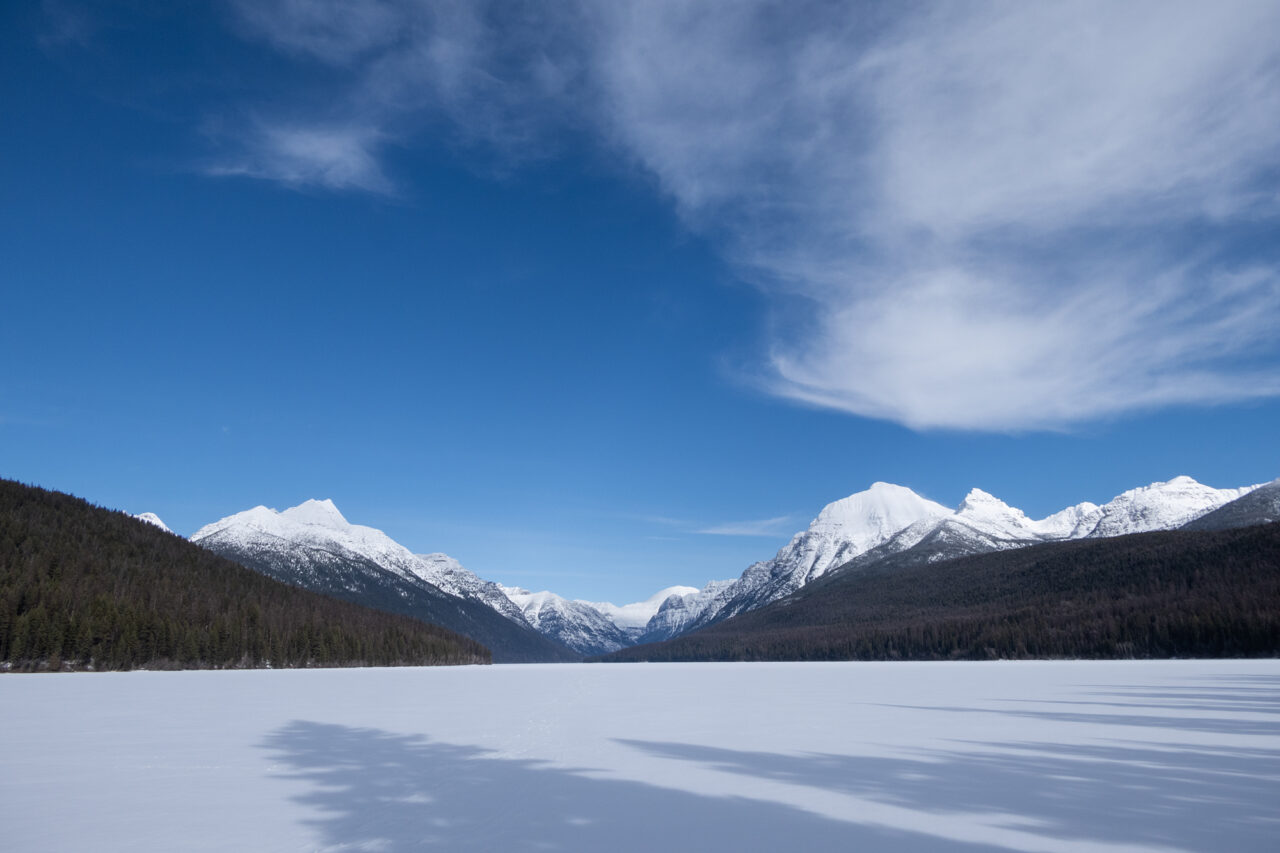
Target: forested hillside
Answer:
[[85, 587], [1166, 594]]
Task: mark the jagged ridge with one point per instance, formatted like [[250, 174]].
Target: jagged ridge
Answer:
[[885, 525], [313, 546]]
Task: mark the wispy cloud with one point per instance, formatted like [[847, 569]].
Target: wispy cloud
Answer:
[[656, 519], [332, 31], [980, 216], [782, 525], [991, 216], [779, 526], [340, 158], [485, 78]]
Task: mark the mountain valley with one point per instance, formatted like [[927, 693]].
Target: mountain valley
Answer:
[[886, 526]]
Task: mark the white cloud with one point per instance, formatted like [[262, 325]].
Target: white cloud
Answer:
[[779, 526], [392, 69], [972, 201], [990, 216], [341, 158], [948, 348], [1041, 114]]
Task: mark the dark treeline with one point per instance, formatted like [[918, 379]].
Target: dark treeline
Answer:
[[85, 587], [1150, 595]]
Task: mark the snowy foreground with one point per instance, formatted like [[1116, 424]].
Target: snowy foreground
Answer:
[[1178, 755]]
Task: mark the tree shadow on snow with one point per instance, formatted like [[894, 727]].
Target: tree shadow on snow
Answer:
[[376, 790], [1210, 725], [1221, 698], [1186, 796], [1188, 799], [1250, 694]]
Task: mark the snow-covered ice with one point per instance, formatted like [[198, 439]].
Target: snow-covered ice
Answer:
[[1026, 756]]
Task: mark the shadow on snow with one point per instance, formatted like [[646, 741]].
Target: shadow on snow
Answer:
[[1182, 795], [376, 790]]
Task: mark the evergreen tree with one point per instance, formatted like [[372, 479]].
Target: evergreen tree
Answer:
[[84, 587]]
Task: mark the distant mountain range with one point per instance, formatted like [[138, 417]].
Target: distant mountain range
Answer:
[[313, 546], [1170, 593], [892, 522]]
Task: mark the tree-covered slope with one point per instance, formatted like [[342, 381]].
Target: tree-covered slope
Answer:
[[1166, 594], [83, 586]]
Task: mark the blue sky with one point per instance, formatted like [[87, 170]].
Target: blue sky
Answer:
[[603, 298]]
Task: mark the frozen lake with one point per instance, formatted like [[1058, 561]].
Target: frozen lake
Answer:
[[1035, 756]]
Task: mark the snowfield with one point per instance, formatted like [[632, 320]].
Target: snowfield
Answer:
[[1034, 756]]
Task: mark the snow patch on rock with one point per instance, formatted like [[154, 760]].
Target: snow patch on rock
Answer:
[[153, 519]]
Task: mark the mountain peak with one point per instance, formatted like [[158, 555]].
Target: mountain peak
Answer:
[[663, 594], [1162, 506], [980, 503], [638, 613], [880, 505], [850, 526], [320, 512], [152, 518], [978, 497], [1180, 483]]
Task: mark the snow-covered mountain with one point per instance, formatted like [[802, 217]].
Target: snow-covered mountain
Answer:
[[983, 523], [678, 612], [884, 525], [891, 525], [635, 617], [448, 574], [319, 524], [843, 530], [152, 518], [600, 627], [576, 624], [313, 546], [1260, 506], [313, 524], [1162, 506]]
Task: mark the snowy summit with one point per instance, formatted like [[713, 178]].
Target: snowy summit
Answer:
[[153, 519]]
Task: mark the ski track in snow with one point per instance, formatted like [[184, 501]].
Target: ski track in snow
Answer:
[[1026, 756]]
